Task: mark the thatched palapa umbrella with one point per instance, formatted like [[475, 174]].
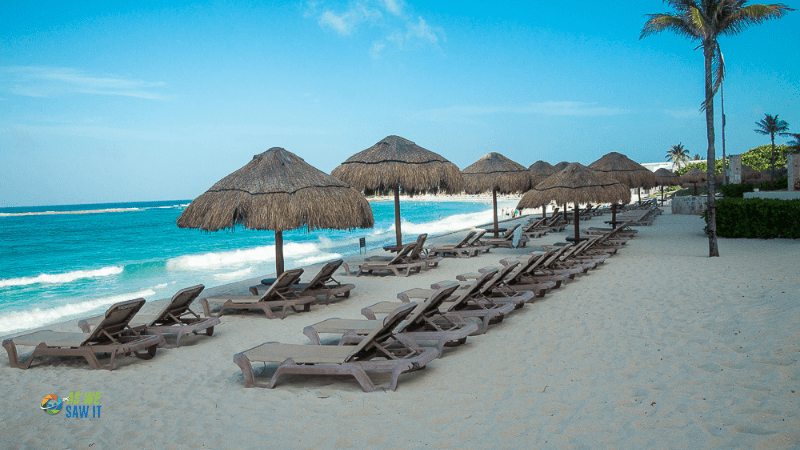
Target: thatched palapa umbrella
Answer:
[[665, 177], [576, 184], [542, 170], [694, 176], [398, 163], [626, 171], [278, 191], [494, 172], [561, 166]]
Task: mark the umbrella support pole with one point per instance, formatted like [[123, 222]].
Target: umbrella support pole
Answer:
[[494, 204], [398, 233], [639, 192], [279, 252], [577, 225], [614, 215]]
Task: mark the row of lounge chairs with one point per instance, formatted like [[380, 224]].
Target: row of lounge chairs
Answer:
[[447, 314]]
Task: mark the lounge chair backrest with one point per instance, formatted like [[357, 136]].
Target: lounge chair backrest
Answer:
[[500, 277], [416, 253], [510, 232], [324, 274], [474, 288], [115, 320], [477, 238], [178, 305], [282, 284], [389, 323], [431, 305], [554, 256], [465, 240], [531, 262], [402, 254]]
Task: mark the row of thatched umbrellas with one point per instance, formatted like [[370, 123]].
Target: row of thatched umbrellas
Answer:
[[279, 191]]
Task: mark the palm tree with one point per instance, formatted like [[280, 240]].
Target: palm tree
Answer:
[[771, 125], [677, 154], [795, 144], [696, 157], [705, 21]]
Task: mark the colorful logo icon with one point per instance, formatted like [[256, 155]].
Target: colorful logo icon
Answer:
[[52, 404]]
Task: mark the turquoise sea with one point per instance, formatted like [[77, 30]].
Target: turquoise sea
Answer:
[[64, 262]]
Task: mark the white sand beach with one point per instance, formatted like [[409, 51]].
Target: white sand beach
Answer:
[[660, 347]]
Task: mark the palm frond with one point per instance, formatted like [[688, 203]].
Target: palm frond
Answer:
[[741, 18], [663, 22]]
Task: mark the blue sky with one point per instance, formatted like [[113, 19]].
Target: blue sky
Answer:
[[133, 101]]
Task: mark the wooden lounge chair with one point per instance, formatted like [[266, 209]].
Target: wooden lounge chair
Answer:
[[175, 318], [513, 278], [418, 253], [322, 284], [507, 240], [424, 324], [379, 351], [112, 335], [460, 249], [396, 265], [461, 308], [493, 292], [279, 295]]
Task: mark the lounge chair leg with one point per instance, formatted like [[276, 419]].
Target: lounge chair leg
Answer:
[[269, 313], [148, 354], [366, 383], [13, 360], [247, 371], [312, 335], [210, 331]]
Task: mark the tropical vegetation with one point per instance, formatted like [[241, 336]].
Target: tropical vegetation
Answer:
[[705, 21], [678, 155], [770, 125]]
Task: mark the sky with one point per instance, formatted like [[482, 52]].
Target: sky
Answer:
[[137, 101]]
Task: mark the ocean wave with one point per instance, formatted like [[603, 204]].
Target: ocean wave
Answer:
[[238, 274], [318, 259], [256, 255], [84, 211], [37, 317], [61, 278]]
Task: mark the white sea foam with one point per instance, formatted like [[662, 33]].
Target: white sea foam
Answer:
[[61, 278], [318, 258], [238, 274], [256, 255], [39, 317]]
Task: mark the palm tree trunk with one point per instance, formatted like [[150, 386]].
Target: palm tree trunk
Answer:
[[772, 158], [711, 227]]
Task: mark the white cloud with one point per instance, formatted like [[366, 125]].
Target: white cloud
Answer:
[[344, 23], [394, 6], [32, 81], [390, 17], [421, 30], [376, 49]]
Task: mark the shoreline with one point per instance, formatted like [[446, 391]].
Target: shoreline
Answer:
[[638, 353]]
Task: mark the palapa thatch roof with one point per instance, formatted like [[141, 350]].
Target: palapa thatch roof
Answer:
[[624, 170], [542, 170], [693, 176], [396, 161], [665, 177], [278, 191], [561, 166], [576, 184], [495, 171]]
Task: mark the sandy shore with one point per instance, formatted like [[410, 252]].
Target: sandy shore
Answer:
[[661, 347]]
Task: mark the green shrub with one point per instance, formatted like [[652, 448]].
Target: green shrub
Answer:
[[757, 218], [735, 190], [779, 184]]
